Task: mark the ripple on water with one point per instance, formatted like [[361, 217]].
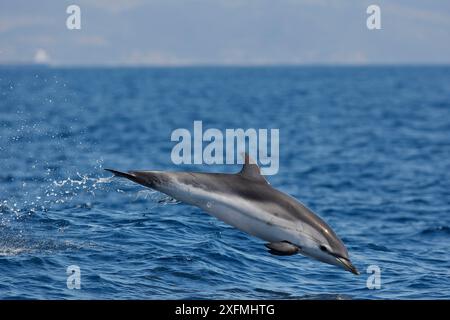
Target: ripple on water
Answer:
[[437, 230]]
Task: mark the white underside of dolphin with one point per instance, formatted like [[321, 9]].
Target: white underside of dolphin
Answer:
[[243, 215], [247, 202]]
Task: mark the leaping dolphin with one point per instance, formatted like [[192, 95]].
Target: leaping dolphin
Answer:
[[249, 203]]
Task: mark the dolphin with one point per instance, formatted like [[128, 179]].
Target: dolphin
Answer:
[[248, 202]]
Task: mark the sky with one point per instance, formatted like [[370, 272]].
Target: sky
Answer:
[[224, 32]]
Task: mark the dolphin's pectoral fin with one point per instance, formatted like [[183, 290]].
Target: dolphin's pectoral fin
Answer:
[[282, 248]]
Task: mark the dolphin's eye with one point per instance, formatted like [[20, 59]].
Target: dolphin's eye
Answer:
[[323, 248]]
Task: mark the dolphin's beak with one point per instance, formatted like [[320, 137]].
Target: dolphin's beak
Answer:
[[347, 265]]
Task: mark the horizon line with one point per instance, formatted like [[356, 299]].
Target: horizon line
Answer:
[[222, 65]]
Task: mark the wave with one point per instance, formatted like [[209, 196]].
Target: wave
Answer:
[[437, 230]]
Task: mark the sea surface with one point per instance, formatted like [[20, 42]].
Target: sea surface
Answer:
[[366, 148]]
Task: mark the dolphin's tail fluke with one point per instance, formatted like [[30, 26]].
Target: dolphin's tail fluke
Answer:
[[128, 175], [121, 174], [146, 178]]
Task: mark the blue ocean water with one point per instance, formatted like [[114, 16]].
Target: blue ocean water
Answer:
[[367, 148]]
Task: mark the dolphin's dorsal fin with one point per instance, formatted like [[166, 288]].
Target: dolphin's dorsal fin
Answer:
[[251, 170]]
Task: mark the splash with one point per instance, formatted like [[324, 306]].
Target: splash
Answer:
[[84, 182], [156, 197], [77, 191]]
